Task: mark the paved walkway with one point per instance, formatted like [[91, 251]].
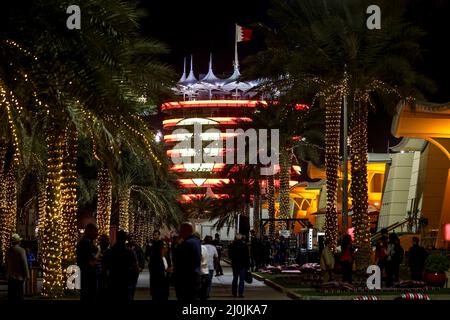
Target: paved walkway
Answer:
[[221, 288]]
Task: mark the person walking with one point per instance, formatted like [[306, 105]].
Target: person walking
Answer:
[[159, 283], [121, 265], [213, 257], [255, 252], [204, 270], [187, 256], [240, 262], [347, 258], [17, 270], [219, 247], [87, 260], [394, 259], [416, 260], [327, 262], [266, 249], [101, 269], [139, 255]]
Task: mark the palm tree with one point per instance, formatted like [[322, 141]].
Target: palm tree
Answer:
[[91, 71], [289, 120], [326, 49]]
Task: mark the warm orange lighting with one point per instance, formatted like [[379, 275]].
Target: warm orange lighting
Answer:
[[205, 136], [219, 120], [192, 183], [190, 197], [212, 104], [376, 204], [189, 167]]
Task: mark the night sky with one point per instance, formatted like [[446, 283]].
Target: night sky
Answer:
[[199, 27]]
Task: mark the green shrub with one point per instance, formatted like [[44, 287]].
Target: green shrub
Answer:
[[437, 262]]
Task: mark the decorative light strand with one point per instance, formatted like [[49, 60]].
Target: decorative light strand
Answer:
[[104, 202], [52, 237]]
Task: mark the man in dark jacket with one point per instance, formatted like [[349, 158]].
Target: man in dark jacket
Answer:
[[17, 270], [121, 264], [187, 258], [416, 260], [239, 255]]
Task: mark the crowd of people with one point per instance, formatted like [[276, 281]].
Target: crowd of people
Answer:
[[111, 272], [185, 261], [388, 256]]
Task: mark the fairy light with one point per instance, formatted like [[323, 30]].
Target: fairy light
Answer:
[[69, 198], [8, 210], [332, 134], [52, 234], [104, 194], [124, 207], [42, 203], [271, 201], [3, 206], [144, 139], [9, 101], [285, 161], [131, 221]]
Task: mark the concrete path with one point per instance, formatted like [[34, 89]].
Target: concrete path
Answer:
[[221, 288]]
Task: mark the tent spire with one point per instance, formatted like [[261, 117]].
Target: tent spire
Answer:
[[183, 77]]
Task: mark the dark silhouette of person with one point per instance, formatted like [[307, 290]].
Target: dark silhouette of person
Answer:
[[266, 251], [347, 258], [139, 255], [187, 257], [17, 270], [103, 241], [159, 284], [87, 260], [121, 265], [255, 252], [394, 258], [416, 260], [219, 247], [240, 262]]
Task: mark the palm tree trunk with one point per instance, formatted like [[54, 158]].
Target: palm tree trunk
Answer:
[[131, 221], [151, 225], [358, 188], [8, 209], [124, 209], [104, 201], [52, 235], [42, 203], [332, 132], [256, 207], [271, 202], [69, 181], [285, 166], [3, 208]]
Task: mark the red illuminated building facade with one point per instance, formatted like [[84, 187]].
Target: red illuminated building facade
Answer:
[[213, 103]]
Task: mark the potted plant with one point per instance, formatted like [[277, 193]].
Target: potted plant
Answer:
[[435, 267]]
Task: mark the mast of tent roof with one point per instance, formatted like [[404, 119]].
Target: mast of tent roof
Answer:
[[236, 72], [210, 80], [183, 77], [191, 80]]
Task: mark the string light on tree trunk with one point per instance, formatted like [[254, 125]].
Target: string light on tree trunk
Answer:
[[52, 235], [104, 202]]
